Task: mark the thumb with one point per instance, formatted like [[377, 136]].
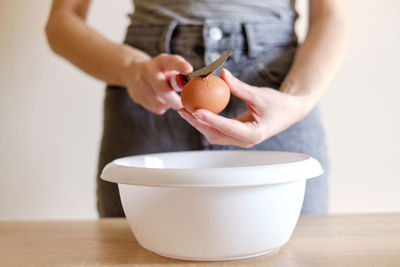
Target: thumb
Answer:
[[174, 63], [240, 89]]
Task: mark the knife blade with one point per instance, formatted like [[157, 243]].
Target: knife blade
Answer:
[[178, 81]]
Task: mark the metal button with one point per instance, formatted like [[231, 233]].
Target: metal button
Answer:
[[213, 56], [215, 33]]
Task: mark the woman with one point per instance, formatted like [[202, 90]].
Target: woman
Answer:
[[276, 83]]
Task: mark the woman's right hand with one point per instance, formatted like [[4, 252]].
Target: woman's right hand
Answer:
[[147, 82]]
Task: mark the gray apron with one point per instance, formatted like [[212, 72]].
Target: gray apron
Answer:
[[261, 56]]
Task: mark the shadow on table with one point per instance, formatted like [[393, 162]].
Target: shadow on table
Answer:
[[118, 246]]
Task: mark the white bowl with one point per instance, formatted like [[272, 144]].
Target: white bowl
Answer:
[[212, 205]]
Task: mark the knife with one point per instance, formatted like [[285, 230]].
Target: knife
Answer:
[[178, 81]]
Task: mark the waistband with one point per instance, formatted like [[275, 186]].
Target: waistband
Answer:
[[217, 35]]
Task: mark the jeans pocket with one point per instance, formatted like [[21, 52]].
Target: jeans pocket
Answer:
[[276, 70], [263, 36], [271, 49], [271, 67]]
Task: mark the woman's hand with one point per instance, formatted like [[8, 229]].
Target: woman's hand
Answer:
[[268, 113], [147, 85]]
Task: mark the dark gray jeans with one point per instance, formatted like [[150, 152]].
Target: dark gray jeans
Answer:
[[261, 56]]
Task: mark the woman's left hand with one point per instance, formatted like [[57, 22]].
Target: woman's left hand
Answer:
[[268, 112]]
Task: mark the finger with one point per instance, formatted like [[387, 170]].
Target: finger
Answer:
[[174, 62], [153, 102], [201, 126], [154, 105], [238, 88], [161, 88], [167, 64], [231, 127], [244, 117], [212, 135]]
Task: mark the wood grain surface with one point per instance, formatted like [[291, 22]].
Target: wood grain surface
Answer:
[[345, 240]]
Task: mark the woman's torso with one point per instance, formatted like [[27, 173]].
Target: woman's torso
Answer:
[[263, 42], [197, 11]]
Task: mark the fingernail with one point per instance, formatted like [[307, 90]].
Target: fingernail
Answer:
[[227, 71], [197, 116]]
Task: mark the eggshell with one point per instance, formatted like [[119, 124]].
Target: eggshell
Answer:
[[210, 93]]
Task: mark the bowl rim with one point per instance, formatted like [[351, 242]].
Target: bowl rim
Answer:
[[213, 176]]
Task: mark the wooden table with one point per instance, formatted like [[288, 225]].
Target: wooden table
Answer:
[[347, 240]]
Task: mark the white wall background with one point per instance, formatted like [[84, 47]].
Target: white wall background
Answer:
[[50, 114], [362, 113]]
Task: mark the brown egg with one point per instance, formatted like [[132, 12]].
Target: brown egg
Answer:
[[211, 93]]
